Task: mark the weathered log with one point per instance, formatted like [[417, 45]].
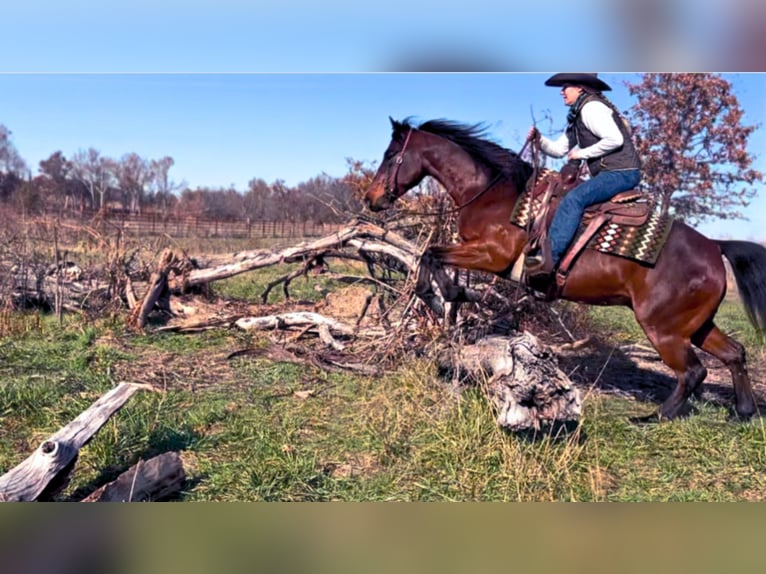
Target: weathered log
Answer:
[[56, 455], [362, 236], [304, 320], [527, 389], [158, 292], [153, 479], [45, 292], [38, 287]]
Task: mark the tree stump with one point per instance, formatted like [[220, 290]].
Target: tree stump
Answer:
[[522, 379], [158, 292]]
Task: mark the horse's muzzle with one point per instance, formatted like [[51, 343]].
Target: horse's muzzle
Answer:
[[380, 203]]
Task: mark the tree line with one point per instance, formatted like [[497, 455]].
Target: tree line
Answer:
[[688, 129], [89, 181]]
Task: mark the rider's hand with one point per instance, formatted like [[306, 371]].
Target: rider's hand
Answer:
[[574, 154], [534, 134]]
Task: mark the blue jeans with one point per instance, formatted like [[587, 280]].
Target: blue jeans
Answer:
[[600, 188]]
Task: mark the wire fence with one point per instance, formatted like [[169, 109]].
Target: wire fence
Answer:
[[151, 225], [148, 225]]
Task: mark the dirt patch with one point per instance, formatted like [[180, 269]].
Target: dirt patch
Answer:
[[350, 303]]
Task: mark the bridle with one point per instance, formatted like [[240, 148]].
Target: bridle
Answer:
[[392, 179], [390, 190]]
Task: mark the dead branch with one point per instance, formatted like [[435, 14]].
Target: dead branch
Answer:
[[154, 479], [362, 236], [285, 280], [306, 321], [56, 456]]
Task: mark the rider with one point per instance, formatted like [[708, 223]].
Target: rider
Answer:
[[597, 134]]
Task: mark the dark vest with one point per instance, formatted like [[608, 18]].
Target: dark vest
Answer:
[[624, 157]]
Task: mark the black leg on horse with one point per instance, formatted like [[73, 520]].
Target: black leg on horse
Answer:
[[449, 287], [678, 354], [432, 268], [454, 307], [732, 354], [423, 287]]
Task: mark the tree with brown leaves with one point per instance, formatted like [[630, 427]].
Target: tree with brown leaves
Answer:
[[691, 137]]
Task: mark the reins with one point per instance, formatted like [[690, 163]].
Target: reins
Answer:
[[484, 190]]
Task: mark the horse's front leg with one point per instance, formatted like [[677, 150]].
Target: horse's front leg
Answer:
[[424, 286], [472, 255], [450, 289]]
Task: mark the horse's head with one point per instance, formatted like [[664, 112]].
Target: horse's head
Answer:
[[401, 169]]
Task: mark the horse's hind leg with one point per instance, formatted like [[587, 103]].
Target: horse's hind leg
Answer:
[[732, 354], [677, 353], [690, 373]]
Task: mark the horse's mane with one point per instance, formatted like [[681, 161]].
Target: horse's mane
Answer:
[[474, 140]]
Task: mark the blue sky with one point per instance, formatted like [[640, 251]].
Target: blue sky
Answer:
[[288, 89], [226, 129], [354, 36]]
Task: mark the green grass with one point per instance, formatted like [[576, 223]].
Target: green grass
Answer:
[[620, 323], [251, 429]]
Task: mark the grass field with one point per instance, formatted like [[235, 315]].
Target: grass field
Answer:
[[254, 428], [251, 428]]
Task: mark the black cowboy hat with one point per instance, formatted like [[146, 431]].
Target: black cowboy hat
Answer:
[[591, 80]]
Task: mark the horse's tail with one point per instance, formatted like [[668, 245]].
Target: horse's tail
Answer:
[[748, 262]]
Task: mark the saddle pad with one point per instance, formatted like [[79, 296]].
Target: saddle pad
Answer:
[[642, 243], [525, 209]]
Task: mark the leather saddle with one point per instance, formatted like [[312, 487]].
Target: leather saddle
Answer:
[[627, 208], [630, 207]]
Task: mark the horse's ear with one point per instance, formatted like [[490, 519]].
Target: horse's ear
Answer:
[[397, 127]]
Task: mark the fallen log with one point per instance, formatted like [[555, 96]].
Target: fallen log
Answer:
[[522, 380], [54, 459], [305, 321], [174, 275], [362, 236], [154, 479]]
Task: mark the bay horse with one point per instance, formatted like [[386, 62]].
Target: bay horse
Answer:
[[674, 301]]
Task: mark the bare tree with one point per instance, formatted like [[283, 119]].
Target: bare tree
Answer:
[[327, 199], [161, 185], [133, 175], [96, 172], [12, 167], [256, 198], [10, 160]]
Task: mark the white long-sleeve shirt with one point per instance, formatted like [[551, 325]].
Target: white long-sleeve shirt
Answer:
[[597, 117]]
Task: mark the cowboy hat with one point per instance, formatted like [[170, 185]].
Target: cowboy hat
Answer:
[[591, 80]]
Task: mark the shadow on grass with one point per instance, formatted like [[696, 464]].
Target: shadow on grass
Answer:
[[158, 443], [611, 370], [558, 432]]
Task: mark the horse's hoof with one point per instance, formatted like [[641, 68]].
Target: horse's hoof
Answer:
[[744, 415], [668, 413]]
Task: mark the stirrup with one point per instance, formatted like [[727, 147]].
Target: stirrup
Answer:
[[540, 261]]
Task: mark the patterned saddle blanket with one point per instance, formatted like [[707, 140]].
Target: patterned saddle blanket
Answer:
[[629, 225]]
